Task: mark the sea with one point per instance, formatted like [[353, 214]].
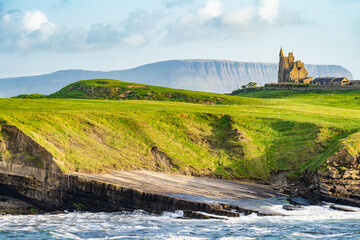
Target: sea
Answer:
[[311, 222]]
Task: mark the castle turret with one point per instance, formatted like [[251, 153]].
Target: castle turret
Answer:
[[281, 65], [291, 70]]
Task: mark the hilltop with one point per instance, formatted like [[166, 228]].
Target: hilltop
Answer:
[[218, 76], [117, 90]]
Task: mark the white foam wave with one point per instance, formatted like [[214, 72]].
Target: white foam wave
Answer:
[[309, 222], [318, 213], [176, 214]]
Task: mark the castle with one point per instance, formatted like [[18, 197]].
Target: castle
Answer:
[[291, 70]]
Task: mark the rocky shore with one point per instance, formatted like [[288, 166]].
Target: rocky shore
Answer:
[[10, 205], [338, 179]]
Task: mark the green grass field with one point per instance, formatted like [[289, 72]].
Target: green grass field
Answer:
[[349, 99], [238, 138]]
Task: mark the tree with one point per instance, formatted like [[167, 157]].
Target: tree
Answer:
[[252, 85], [243, 86]]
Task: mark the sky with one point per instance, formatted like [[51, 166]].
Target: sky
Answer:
[[43, 36]]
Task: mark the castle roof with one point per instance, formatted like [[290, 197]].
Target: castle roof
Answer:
[[323, 79], [339, 79], [329, 79]]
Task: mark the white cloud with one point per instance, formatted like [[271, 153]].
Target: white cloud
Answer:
[[187, 19], [25, 31], [135, 40], [35, 20], [6, 18], [32, 31], [269, 10], [212, 9], [132, 32], [212, 21], [239, 17]]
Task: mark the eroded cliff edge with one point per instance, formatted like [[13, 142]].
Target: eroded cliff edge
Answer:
[[337, 179], [30, 170]]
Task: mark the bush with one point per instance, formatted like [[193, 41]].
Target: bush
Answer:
[[34, 95]]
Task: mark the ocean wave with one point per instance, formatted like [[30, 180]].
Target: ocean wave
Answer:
[[308, 222]]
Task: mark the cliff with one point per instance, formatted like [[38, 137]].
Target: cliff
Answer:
[[200, 75], [337, 178], [31, 172]]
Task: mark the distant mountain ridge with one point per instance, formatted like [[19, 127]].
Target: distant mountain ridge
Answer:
[[218, 76]]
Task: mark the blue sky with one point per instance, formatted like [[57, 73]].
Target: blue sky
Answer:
[[42, 36]]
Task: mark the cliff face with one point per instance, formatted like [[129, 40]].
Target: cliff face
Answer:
[[201, 75], [19, 149], [337, 180], [28, 169]]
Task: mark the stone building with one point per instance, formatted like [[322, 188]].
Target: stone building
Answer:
[[331, 81], [291, 71], [354, 83]]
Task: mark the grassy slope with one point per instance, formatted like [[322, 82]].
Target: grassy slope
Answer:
[[331, 102], [349, 99], [351, 144], [118, 90], [244, 140]]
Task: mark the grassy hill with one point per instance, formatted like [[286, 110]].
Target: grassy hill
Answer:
[[118, 90], [240, 138]]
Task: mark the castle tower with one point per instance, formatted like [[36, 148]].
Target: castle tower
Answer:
[[291, 70], [281, 66]]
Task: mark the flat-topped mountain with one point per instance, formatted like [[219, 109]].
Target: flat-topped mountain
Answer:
[[200, 75]]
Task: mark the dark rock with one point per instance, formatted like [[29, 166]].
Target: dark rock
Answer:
[[292, 207], [298, 201], [102, 82], [57, 212], [278, 179], [163, 162], [333, 173], [226, 213], [341, 208], [351, 174], [198, 215], [340, 189]]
